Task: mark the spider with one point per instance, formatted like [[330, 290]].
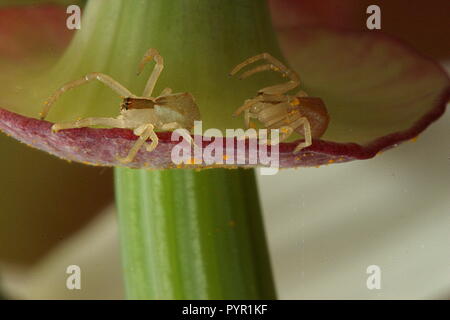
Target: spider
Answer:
[[277, 110], [168, 111]]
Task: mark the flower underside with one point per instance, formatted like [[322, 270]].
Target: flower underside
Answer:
[[378, 93]]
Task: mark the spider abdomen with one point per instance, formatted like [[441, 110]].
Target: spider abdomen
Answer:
[[315, 111]]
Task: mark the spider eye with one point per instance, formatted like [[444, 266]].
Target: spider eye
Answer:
[[255, 108], [125, 104]]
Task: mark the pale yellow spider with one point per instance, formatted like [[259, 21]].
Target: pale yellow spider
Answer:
[[277, 110], [168, 111]]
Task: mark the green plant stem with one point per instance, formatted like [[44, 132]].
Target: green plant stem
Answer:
[[184, 234], [192, 235]]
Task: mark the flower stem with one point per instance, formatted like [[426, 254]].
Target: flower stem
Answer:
[[185, 234], [192, 235]]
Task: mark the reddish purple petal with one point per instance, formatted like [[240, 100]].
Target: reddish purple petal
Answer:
[[29, 31], [332, 13], [102, 146], [422, 24], [378, 92]]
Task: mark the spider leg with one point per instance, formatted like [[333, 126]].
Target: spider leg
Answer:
[[105, 79], [175, 125], [301, 93], [144, 132], [171, 126], [292, 75], [282, 88], [166, 92], [275, 97], [264, 67], [274, 65], [247, 105], [87, 122], [283, 118], [285, 132], [273, 112], [247, 118], [262, 56], [275, 120], [287, 124], [306, 133], [151, 54]]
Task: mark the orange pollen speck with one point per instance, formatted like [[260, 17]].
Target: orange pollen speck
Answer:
[[194, 161], [295, 102]]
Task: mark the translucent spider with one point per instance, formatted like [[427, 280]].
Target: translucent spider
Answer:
[[168, 111], [277, 110]]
